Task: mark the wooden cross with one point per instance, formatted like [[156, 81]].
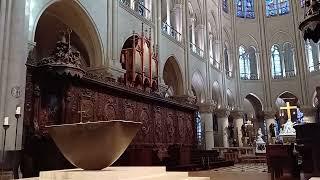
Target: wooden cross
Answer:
[[81, 113], [288, 108]]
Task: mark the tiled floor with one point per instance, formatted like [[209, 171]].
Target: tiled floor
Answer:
[[240, 172], [261, 167]]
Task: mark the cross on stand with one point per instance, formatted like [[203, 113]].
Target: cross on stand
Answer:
[[81, 113], [288, 108]]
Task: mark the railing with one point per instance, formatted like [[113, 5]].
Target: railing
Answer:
[[288, 74], [166, 28], [248, 76], [197, 50], [215, 63], [314, 68], [138, 7]]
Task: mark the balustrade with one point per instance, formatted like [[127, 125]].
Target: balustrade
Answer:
[[166, 28]]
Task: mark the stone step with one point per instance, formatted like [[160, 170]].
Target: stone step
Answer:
[[117, 173]]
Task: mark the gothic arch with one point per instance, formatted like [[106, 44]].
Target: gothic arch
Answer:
[[172, 76], [216, 93], [280, 37], [230, 100], [256, 103], [286, 96], [72, 14], [199, 86]]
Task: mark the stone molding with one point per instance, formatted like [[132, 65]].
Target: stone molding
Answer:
[[236, 114], [207, 107]]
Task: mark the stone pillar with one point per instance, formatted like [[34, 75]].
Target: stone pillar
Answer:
[[206, 111], [237, 122], [193, 34], [222, 115], [115, 65], [200, 33], [308, 114], [6, 9], [178, 19]]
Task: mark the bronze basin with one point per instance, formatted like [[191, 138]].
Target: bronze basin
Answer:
[[94, 145]]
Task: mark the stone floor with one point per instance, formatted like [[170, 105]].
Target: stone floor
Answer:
[[241, 172]]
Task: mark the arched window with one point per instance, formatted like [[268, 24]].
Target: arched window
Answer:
[[248, 63], [277, 7], [276, 62], [225, 6], [302, 3], [244, 63], [226, 61], [245, 9], [312, 53], [283, 65], [288, 60], [253, 63]]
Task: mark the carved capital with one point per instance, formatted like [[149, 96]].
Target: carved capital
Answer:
[[222, 113], [236, 114], [186, 99], [207, 107], [162, 89]]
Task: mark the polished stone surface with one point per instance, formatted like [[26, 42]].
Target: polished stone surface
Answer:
[[117, 173], [94, 145]]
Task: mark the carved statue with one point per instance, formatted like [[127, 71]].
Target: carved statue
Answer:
[[259, 137], [317, 117], [272, 130]]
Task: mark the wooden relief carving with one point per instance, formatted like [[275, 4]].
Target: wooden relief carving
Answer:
[[170, 127], [181, 127], [158, 127], [129, 110], [88, 108]]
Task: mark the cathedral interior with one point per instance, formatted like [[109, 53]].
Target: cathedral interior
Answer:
[[221, 87]]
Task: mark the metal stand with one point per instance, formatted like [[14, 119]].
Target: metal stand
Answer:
[[15, 142], [5, 127]]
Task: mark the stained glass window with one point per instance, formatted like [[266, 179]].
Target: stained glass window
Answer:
[[245, 9], [277, 7], [302, 3], [248, 63], [276, 62], [312, 51], [225, 6]]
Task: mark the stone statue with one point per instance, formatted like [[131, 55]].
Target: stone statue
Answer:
[[317, 105], [272, 130], [259, 137]]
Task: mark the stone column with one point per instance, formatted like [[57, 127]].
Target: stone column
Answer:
[[200, 33], [222, 115], [115, 65], [178, 19], [237, 122], [4, 53], [193, 34], [308, 114], [206, 111]]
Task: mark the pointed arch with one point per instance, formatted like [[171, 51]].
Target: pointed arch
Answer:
[[172, 76], [198, 84], [74, 15]]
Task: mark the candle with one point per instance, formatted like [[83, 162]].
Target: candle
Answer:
[[6, 121], [18, 110]]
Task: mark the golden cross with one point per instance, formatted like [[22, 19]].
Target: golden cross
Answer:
[[288, 108], [81, 113]]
